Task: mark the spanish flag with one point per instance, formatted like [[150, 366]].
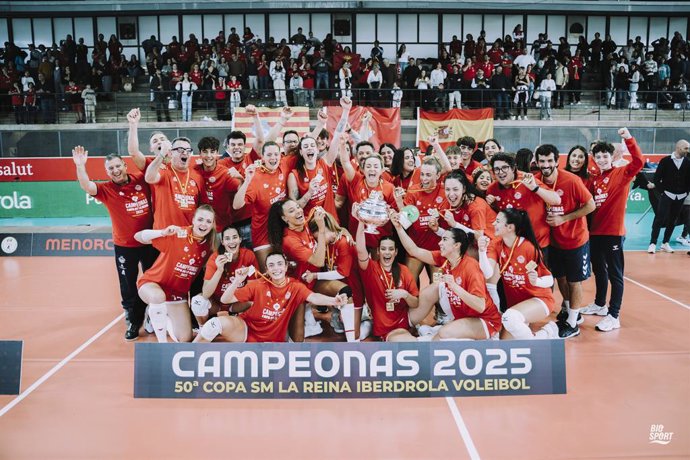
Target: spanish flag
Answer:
[[243, 121], [454, 124]]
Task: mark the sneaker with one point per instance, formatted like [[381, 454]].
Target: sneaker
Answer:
[[132, 332], [608, 324], [336, 322], [148, 327], [519, 117], [683, 241], [594, 309], [563, 317], [548, 331], [651, 249], [425, 330], [665, 247], [525, 118], [566, 331], [442, 318]]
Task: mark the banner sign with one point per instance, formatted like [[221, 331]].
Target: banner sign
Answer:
[[52, 169], [56, 244], [349, 370], [10, 366], [47, 199]]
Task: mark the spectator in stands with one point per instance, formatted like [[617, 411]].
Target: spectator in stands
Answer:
[[29, 105], [561, 80], [403, 58], [390, 74], [621, 85], [521, 84], [299, 38], [17, 101], [159, 96], [546, 87], [45, 94], [438, 76], [186, 88], [88, 95], [278, 76], [501, 87], [377, 52]]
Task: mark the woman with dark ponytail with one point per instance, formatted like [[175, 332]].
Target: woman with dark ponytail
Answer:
[[459, 288], [514, 256]]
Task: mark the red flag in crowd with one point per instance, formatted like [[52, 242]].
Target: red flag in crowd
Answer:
[[385, 123]]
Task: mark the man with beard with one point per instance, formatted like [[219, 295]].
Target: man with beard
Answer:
[[127, 197], [569, 249]]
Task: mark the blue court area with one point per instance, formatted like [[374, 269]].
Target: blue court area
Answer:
[[639, 227]]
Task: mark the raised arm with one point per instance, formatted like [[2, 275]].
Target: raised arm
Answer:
[[133, 118], [229, 294], [412, 249], [637, 163], [259, 137], [211, 284], [361, 244], [440, 155], [346, 105], [79, 155], [285, 115], [147, 236], [153, 175], [318, 258], [345, 159], [240, 197]]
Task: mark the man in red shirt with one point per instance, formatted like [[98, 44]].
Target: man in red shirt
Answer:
[[219, 184], [128, 200], [569, 249], [607, 229]]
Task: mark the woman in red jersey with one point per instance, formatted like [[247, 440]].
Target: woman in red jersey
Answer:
[[220, 272], [391, 290], [165, 286], [514, 256], [460, 289], [310, 182], [466, 210], [276, 304]]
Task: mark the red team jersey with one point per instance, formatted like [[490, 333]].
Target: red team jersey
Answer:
[[520, 197], [425, 201], [378, 281], [129, 207], [220, 188], [245, 212], [574, 195], [512, 264], [245, 258], [265, 189], [272, 307], [298, 247], [177, 195], [324, 197], [181, 257], [477, 215], [610, 190], [470, 277]]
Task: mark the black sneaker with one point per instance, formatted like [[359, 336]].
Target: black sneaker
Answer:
[[132, 332], [563, 317], [566, 331]]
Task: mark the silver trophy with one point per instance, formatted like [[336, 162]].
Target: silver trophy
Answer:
[[373, 212]]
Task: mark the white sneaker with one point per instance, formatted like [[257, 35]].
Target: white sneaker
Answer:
[[651, 249], [425, 330], [666, 248], [594, 309], [519, 117], [525, 118], [608, 324], [683, 241]]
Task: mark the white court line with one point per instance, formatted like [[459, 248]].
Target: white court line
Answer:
[[58, 366], [462, 428], [670, 299]]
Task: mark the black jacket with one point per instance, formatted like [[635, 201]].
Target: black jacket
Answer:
[[671, 179]]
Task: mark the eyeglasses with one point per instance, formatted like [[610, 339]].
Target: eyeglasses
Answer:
[[182, 150], [501, 169]]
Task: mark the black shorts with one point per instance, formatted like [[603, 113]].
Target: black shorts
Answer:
[[573, 264]]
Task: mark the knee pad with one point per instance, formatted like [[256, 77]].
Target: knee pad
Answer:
[[211, 329], [200, 305], [346, 290], [512, 319]]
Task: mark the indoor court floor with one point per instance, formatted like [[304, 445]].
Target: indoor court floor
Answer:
[[77, 387]]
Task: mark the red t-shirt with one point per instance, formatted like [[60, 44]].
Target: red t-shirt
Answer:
[[176, 197], [520, 197], [298, 247], [424, 202], [245, 258], [610, 189], [129, 207], [340, 256], [181, 257], [470, 277], [378, 281], [515, 283], [574, 195], [265, 189], [272, 307], [470, 169], [220, 188], [476, 215], [324, 197], [245, 212]]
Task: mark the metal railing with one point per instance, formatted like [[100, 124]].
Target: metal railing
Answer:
[[168, 106]]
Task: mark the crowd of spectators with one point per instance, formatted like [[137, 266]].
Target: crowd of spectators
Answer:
[[508, 74]]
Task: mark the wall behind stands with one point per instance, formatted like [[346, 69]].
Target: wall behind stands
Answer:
[[421, 32]]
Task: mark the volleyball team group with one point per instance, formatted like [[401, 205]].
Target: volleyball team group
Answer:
[[247, 243]]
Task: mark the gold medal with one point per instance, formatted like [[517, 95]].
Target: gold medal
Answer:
[[390, 306], [436, 277]]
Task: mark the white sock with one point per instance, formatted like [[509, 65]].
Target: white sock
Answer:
[[572, 316], [364, 330], [158, 314], [347, 316], [493, 293], [309, 319]]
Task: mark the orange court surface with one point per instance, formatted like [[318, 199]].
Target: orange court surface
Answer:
[[77, 387]]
